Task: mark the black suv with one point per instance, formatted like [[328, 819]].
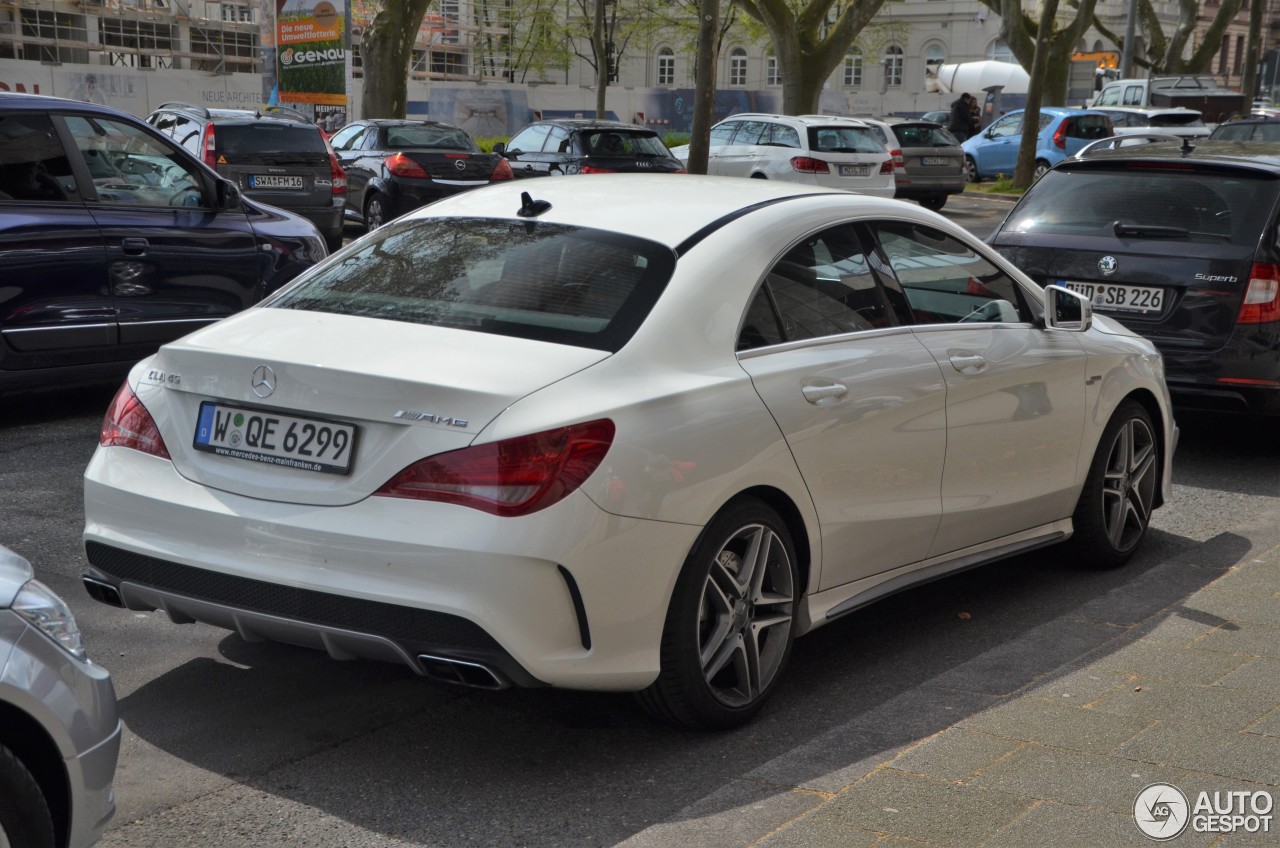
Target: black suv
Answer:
[[115, 240], [1178, 242], [587, 146], [275, 154]]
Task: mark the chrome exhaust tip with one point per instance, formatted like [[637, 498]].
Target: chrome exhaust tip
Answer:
[[102, 591], [462, 672]]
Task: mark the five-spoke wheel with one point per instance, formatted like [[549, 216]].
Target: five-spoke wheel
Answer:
[[1119, 493]]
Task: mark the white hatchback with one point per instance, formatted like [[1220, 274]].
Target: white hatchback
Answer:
[[822, 150], [626, 433]]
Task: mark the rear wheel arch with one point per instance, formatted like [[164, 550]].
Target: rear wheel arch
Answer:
[[782, 503]]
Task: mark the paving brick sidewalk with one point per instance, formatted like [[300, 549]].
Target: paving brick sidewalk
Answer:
[[1189, 696]]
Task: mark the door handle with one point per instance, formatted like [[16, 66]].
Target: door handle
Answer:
[[813, 394], [968, 363], [134, 246]]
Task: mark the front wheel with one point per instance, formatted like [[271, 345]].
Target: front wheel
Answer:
[[1114, 509], [24, 813], [971, 170], [731, 622]]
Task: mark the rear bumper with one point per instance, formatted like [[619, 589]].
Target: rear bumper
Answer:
[[1217, 397], [915, 187], [570, 596], [1242, 376]]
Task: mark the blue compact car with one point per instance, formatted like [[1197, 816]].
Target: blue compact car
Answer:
[[1063, 131]]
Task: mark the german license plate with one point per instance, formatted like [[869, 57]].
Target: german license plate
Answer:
[[273, 181], [855, 170], [308, 444], [936, 160], [1109, 297]]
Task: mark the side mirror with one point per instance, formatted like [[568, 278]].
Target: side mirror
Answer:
[[500, 148], [1066, 310], [228, 195]]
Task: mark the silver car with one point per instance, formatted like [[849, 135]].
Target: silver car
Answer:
[[59, 728]]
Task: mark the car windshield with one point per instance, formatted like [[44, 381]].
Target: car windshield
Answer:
[[254, 139], [923, 135], [844, 140], [623, 143], [547, 282], [447, 138], [1147, 201]]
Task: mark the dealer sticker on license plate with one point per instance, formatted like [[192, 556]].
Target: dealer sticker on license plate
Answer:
[[272, 181], [1108, 297], [304, 443], [854, 170]]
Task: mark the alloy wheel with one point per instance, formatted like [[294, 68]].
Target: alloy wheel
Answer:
[[744, 619], [1129, 484]]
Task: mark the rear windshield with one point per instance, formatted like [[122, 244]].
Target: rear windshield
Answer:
[[923, 135], [1157, 203], [1176, 119], [547, 282], [254, 139], [623, 143], [1268, 131], [845, 140], [447, 138]]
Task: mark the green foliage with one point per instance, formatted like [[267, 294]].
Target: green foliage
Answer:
[[675, 139]]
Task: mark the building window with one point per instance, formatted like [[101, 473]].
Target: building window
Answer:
[[451, 11], [666, 66], [225, 52], [136, 44], [853, 69], [999, 51], [934, 55], [738, 67], [772, 76], [1239, 54], [235, 13], [893, 66]]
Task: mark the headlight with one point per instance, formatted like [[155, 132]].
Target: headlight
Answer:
[[316, 250], [45, 611]]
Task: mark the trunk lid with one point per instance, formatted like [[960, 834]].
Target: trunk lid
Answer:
[[406, 391], [455, 166]]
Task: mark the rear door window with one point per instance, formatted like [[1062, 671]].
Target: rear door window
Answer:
[[33, 165]]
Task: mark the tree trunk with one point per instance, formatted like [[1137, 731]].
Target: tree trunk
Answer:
[[602, 58], [704, 94], [385, 49], [1249, 82], [1023, 172]]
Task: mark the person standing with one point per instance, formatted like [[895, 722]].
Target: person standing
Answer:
[[960, 124]]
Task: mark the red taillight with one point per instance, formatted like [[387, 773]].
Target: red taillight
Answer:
[[502, 171], [898, 160], [209, 154], [1060, 135], [592, 169], [1262, 298], [886, 167], [339, 175], [808, 165], [127, 424], [400, 165], [512, 477]]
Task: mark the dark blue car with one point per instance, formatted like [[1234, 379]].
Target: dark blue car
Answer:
[[115, 240]]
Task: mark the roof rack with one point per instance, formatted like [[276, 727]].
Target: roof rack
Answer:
[[180, 104], [273, 111]]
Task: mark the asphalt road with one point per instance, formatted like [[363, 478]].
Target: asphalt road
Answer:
[[236, 744]]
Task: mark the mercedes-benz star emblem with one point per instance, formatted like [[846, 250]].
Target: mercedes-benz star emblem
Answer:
[[1107, 265], [263, 381]]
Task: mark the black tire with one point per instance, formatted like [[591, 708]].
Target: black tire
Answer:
[[741, 619], [759, 177], [1114, 510], [1042, 168], [935, 203], [24, 814], [971, 170], [375, 213]]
